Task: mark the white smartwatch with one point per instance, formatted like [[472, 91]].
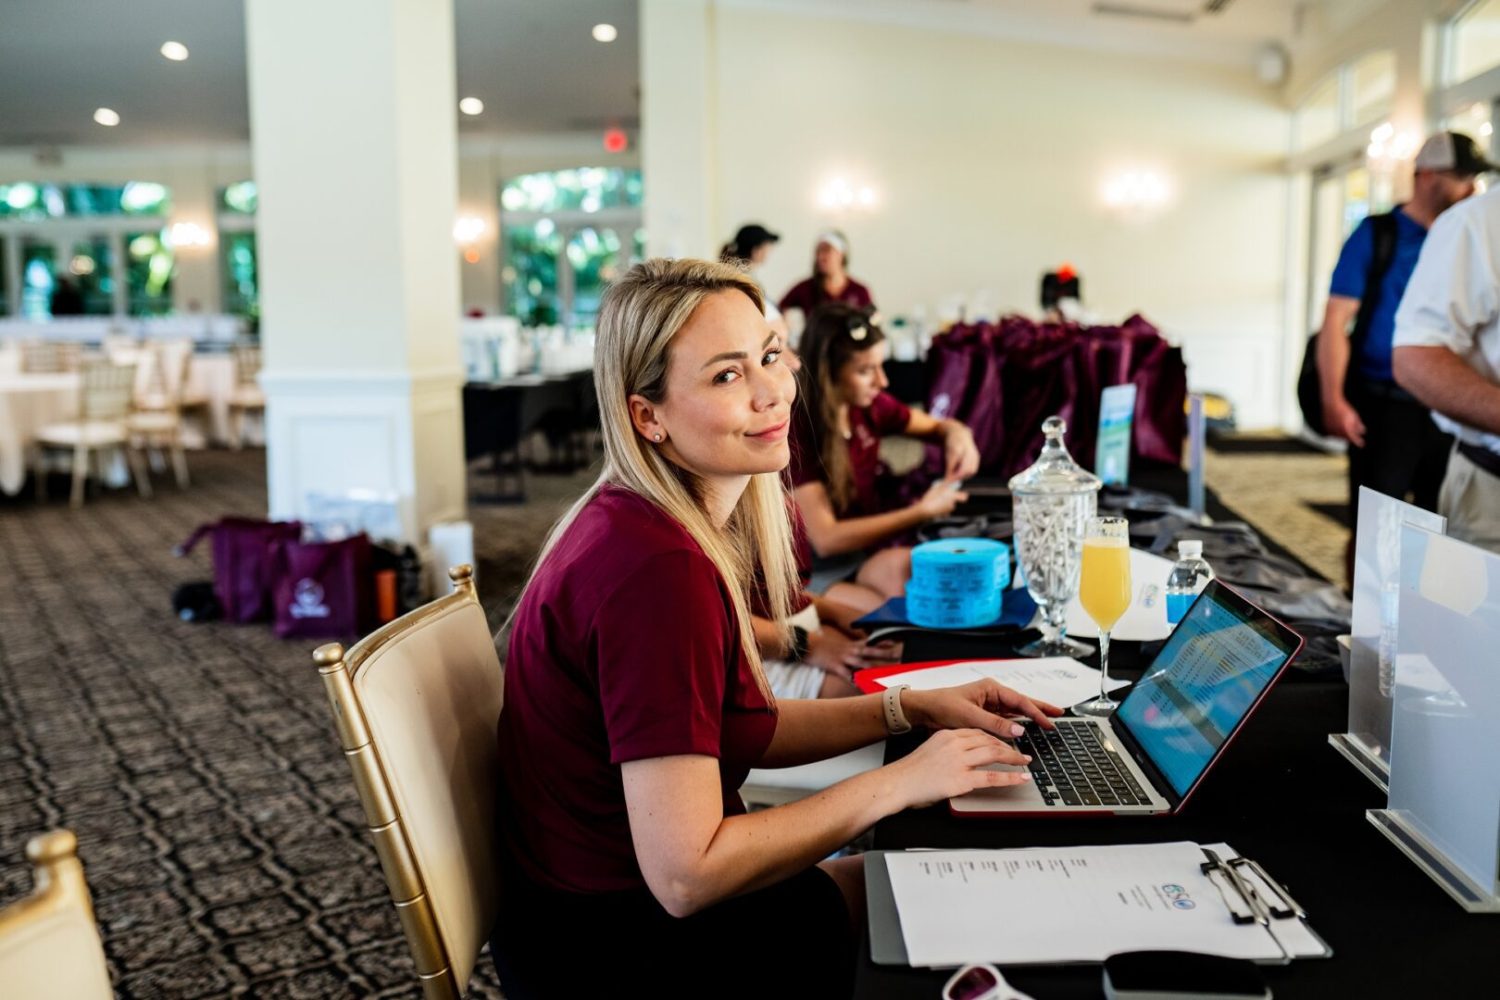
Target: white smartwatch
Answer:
[[896, 722]]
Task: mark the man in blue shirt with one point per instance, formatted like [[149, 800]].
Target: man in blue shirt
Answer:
[[1394, 447]]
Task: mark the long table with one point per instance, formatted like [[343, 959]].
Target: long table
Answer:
[[498, 416], [1281, 795]]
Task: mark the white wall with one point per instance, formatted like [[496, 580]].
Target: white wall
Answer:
[[988, 156]]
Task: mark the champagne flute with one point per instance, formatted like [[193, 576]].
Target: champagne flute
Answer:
[[1105, 595]]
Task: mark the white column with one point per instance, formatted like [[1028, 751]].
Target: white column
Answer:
[[678, 77], [352, 112]]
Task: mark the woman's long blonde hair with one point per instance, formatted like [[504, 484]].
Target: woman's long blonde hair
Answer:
[[638, 317]]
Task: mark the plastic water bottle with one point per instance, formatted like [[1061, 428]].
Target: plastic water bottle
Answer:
[[1190, 574]]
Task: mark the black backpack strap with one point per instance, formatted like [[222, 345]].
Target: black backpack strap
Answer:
[[1383, 233]]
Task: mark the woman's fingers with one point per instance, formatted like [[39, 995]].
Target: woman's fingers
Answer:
[[998, 752], [1000, 779]]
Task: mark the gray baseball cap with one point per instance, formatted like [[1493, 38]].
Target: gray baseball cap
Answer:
[[1453, 151]]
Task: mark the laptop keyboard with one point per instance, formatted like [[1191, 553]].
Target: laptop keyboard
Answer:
[[1071, 766]]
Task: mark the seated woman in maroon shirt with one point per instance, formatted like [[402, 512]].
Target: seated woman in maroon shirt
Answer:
[[836, 436], [635, 702], [830, 281]]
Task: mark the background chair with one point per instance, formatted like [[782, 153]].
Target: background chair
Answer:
[[49, 943], [415, 705], [156, 423], [104, 398], [50, 356], [247, 396]]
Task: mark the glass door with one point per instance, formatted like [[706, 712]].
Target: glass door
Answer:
[[1341, 198], [89, 278], [149, 268], [38, 277], [596, 257]]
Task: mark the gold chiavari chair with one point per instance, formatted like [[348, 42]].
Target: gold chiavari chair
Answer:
[[158, 423], [49, 943], [247, 396], [50, 356], [415, 705], [104, 397]]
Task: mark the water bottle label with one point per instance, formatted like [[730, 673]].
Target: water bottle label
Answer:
[[1177, 606]]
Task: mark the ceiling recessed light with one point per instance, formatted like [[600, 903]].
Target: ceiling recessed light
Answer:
[[174, 51], [605, 33], [104, 116], [471, 106]]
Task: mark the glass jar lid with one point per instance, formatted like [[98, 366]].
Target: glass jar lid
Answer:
[[1054, 473]]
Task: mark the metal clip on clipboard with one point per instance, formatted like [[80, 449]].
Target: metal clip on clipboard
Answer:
[[1245, 887]]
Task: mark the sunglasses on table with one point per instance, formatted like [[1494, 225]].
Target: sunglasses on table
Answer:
[[981, 981]]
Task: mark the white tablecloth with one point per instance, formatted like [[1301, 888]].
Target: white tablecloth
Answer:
[[213, 376], [210, 376], [27, 404]]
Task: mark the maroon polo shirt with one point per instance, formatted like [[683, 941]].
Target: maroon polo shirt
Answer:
[[867, 425], [624, 647], [803, 295]]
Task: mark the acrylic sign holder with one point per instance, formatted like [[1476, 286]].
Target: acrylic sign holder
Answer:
[[1372, 666], [1444, 809]]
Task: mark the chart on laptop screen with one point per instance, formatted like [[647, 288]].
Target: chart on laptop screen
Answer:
[[1203, 682]]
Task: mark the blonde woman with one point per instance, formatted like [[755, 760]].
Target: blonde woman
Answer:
[[635, 701]]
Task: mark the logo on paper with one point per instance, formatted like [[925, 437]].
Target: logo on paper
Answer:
[[1178, 896], [307, 600]]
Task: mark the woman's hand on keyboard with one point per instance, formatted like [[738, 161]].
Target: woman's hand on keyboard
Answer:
[[953, 762], [983, 704]]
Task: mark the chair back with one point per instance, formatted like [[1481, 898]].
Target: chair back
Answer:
[[113, 344], [106, 392], [246, 364], [164, 379], [50, 356], [416, 704], [49, 943]]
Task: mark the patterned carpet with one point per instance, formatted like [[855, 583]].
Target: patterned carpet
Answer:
[[215, 815], [1295, 495]]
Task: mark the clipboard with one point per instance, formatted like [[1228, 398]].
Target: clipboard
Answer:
[[1255, 902]]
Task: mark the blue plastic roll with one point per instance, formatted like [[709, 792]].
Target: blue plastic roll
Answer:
[[957, 582]]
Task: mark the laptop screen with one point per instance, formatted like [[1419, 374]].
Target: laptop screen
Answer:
[[1216, 664]]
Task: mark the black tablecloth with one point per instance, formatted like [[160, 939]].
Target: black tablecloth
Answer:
[[1280, 795]]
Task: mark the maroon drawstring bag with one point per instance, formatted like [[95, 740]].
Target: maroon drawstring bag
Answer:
[[243, 550], [323, 590]]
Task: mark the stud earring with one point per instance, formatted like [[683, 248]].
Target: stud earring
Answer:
[[657, 438]]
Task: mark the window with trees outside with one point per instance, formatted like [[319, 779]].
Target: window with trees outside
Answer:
[[565, 235], [85, 249], [239, 274]]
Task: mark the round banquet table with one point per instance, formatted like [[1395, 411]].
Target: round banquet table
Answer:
[[29, 402]]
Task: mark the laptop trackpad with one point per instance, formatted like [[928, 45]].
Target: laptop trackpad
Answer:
[[1007, 797]]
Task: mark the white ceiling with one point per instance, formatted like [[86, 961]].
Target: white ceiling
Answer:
[[533, 63]]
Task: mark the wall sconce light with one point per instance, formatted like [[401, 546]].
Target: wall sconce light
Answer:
[[188, 236], [468, 230], [1136, 191], [839, 194]]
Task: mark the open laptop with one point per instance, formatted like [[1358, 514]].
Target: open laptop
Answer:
[[1152, 753]]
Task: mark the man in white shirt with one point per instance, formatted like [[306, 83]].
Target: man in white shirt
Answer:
[[1447, 354]]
